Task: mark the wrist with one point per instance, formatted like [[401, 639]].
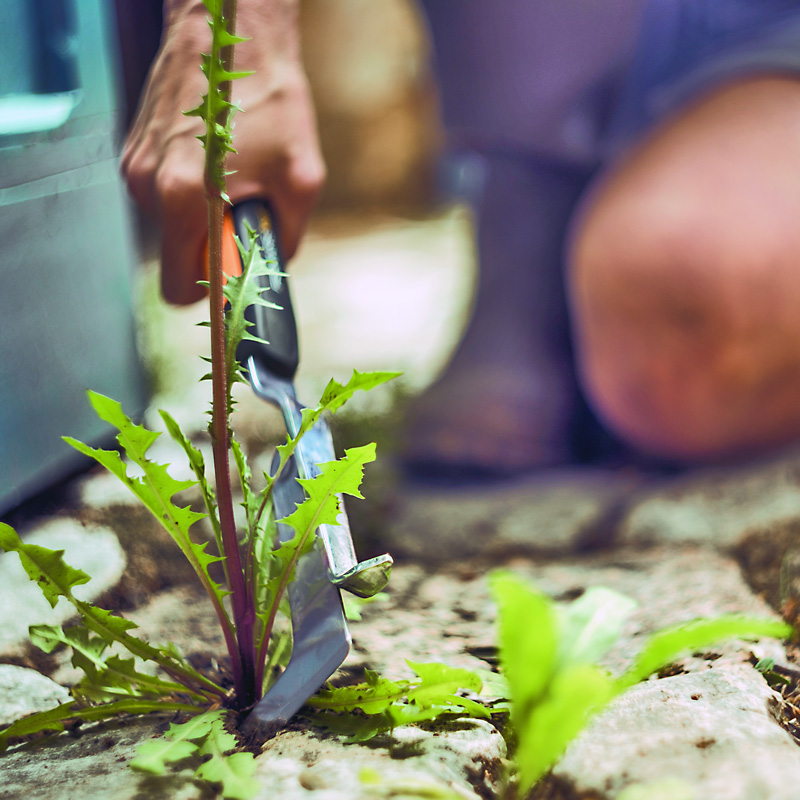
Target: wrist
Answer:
[[272, 24]]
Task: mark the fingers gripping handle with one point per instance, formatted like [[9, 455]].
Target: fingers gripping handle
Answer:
[[275, 325]]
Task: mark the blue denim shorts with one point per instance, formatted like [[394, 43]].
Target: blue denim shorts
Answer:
[[689, 47], [578, 81]]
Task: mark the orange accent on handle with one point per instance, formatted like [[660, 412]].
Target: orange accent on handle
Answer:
[[231, 262]]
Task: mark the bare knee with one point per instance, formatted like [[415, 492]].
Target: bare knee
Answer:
[[684, 284]]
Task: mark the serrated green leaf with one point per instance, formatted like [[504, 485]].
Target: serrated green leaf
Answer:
[[241, 292], [198, 465], [155, 489], [387, 704], [197, 727], [333, 398], [180, 741], [115, 629], [337, 394], [233, 772], [50, 720], [441, 677], [217, 741], [495, 686], [48, 637], [134, 706], [321, 507], [664, 647], [372, 697], [250, 502], [438, 687], [87, 650], [153, 756], [47, 567], [53, 719], [216, 108], [335, 478], [56, 579]]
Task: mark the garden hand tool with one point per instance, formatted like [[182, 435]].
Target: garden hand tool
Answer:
[[320, 634]]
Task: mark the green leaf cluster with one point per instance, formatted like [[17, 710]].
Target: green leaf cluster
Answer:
[[204, 737], [117, 678], [549, 655], [155, 488], [111, 684], [378, 705]]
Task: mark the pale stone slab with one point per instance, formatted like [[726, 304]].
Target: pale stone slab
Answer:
[[716, 730], [553, 512], [293, 766], [24, 691], [718, 507], [93, 549]]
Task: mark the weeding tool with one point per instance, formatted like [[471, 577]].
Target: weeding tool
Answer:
[[319, 628]]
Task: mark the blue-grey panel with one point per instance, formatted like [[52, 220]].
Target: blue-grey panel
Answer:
[[66, 255]]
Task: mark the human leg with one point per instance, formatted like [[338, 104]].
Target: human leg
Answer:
[[684, 281], [506, 401], [521, 84]]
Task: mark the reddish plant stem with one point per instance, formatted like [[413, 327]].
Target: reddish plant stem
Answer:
[[221, 443], [243, 607]]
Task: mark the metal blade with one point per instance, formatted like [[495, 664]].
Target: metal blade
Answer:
[[321, 638], [319, 628]]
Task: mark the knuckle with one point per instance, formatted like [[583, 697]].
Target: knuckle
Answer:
[[138, 177], [308, 179], [178, 186]]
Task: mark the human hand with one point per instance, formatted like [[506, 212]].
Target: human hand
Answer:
[[278, 156]]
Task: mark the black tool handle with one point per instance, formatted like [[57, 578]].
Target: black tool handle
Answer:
[[275, 325]]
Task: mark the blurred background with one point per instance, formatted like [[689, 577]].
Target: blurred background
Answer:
[[383, 280]]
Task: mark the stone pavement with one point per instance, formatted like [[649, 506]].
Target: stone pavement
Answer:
[[710, 542]]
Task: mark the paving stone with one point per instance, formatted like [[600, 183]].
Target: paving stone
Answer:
[[458, 758], [292, 766], [716, 730], [449, 617], [719, 507], [93, 549], [557, 511], [93, 766], [24, 691]]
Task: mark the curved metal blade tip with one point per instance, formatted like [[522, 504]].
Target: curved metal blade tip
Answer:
[[367, 578]]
